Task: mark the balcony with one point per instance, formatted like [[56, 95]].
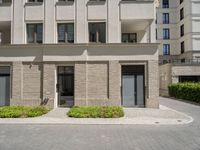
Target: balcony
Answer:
[[137, 29], [137, 9], [34, 11], [97, 10], [181, 62], [65, 10], [5, 10]]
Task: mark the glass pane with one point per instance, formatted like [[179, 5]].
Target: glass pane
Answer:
[[97, 32], [61, 33], [140, 90], [70, 33], [92, 32], [39, 33], [133, 38], [30, 33], [125, 38], [4, 70], [102, 32], [128, 90]]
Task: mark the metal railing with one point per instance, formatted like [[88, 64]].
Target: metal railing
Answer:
[[181, 61]]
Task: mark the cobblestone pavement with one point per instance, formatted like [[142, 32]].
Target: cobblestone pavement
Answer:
[[106, 137]]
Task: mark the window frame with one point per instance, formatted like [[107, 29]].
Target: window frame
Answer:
[[66, 30], [89, 32], [182, 47], [182, 30], [35, 33], [166, 18], [166, 52], [165, 35], [166, 4], [129, 37]]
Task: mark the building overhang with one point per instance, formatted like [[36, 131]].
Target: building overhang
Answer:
[[78, 52]]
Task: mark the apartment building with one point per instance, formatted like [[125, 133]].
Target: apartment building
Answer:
[[178, 31], [62, 53]]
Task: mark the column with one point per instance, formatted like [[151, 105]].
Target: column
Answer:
[[153, 85]]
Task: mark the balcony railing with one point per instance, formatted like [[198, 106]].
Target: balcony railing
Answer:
[[182, 62]]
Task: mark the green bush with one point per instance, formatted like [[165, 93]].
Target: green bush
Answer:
[[96, 112], [22, 111], [186, 91]]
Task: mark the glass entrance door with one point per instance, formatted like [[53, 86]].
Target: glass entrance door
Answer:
[[4, 86], [65, 86], [133, 86]]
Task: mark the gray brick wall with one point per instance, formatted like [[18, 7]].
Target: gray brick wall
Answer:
[[114, 82], [97, 81], [17, 80], [153, 85], [32, 81], [49, 83], [80, 83]]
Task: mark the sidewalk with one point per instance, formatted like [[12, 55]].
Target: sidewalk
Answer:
[[137, 116]]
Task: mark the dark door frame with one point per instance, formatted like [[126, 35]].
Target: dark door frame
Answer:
[[7, 75], [57, 85], [135, 92]]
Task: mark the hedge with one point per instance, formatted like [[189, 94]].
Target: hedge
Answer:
[[22, 111], [96, 112], [186, 91]]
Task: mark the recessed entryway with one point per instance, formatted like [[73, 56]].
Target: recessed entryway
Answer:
[[133, 86], [4, 85], [65, 86]]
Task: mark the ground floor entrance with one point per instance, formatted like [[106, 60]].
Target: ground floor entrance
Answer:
[[133, 86], [4, 85], [65, 86]]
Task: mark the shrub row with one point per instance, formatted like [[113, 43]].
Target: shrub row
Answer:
[[96, 112], [22, 112], [185, 91]]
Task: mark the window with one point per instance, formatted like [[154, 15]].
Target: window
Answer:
[[165, 18], [189, 78], [0, 37], [5, 1], [165, 4], [35, 1], [97, 0], [97, 32], [66, 33], [182, 47], [166, 49], [181, 1], [182, 30], [34, 33], [156, 34], [65, 0], [181, 14], [166, 33], [129, 37]]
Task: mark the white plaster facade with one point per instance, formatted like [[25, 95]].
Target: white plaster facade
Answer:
[[191, 22], [137, 16]]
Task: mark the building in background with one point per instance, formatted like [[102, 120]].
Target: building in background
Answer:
[[178, 31], [78, 52]]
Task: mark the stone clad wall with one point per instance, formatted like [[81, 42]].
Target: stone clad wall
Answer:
[[96, 83], [153, 85], [32, 81]]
